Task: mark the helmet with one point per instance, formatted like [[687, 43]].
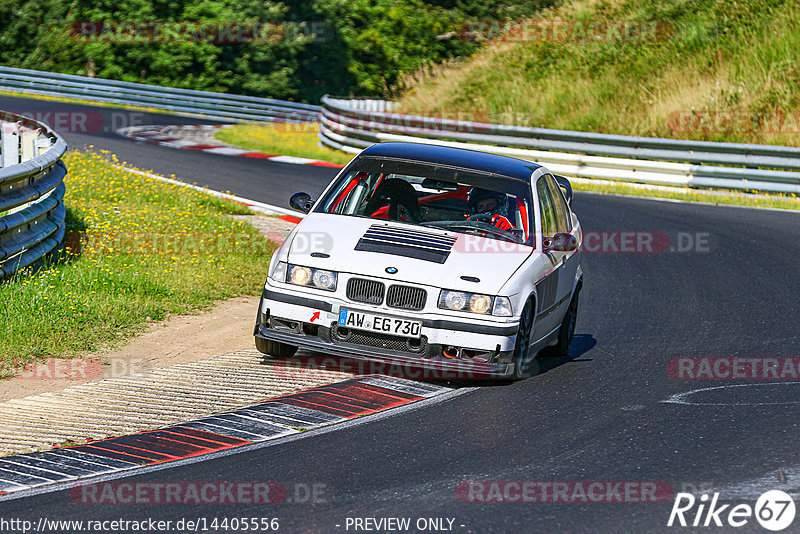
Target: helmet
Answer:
[[477, 194]]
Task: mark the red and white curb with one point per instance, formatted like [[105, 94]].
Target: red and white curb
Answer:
[[185, 137], [267, 420]]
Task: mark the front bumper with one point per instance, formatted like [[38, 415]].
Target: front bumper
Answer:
[[309, 323]]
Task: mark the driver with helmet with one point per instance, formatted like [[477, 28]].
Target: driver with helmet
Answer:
[[492, 205]]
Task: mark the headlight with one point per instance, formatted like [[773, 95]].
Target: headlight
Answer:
[[480, 303], [299, 276], [474, 303], [453, 300], [279, 272], [502, 307], [310, 277], [324, 279]]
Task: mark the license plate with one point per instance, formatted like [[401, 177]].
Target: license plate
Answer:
[[379, 323]]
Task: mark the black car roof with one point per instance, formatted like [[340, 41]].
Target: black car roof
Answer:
[[454, 157]]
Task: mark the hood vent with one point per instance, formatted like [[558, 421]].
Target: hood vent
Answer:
[[406, 242]]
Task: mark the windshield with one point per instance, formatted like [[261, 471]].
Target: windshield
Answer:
[[457, 200]]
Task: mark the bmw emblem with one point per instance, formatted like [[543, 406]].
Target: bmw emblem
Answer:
[[391, 270]]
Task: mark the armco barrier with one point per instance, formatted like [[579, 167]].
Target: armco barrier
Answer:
[[206, 103], [347, 126], [32, 188]]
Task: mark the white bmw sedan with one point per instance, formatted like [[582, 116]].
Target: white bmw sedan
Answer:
[[429, 257]]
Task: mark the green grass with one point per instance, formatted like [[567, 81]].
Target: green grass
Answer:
[[710, 60], [283, 139], [139, 250]]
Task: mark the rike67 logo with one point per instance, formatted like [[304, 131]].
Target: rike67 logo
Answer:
[[774, 510]]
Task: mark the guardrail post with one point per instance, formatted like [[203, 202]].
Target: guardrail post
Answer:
[[28, 141], [43, 144], [9, 140]]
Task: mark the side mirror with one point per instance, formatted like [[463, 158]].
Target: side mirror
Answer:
[[561, 242], [301, 202], [566, 188]]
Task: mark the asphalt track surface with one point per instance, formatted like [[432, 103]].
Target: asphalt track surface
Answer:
[[599, 415]]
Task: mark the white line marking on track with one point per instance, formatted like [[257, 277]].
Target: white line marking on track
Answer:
[[221, 150], [291, 159], [681, 398]]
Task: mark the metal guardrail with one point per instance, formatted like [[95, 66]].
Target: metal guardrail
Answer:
[[32, 189], [351, 128], [367, 104], [206, 103]]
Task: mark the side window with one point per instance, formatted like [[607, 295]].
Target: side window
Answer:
[[546, 208], [563, 222]]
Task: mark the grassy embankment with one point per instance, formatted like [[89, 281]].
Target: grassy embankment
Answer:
[[715, 70], [147, 250], [712, 70]]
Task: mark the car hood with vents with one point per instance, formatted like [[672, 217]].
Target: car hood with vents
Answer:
[[427, 256]]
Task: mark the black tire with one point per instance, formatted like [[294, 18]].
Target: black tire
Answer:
[[275, 349], [522, 363], [567, 330]]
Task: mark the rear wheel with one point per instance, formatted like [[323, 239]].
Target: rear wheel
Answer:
[[567, 330], [275, 349], [522, 362]]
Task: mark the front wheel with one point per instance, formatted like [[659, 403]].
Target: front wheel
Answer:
[[521, 360], [275, 349]]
